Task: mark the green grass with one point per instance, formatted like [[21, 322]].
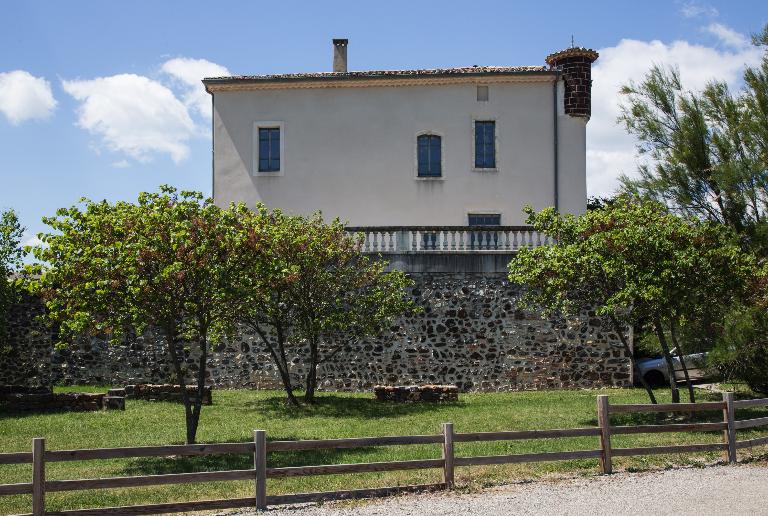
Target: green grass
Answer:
[[236, 413]]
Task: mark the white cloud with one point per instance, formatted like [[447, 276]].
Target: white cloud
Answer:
[[134, 115], [727, 35], [25, 97], [123, 163], [610, 151], [695, 9], [33, 241], [190, 72]]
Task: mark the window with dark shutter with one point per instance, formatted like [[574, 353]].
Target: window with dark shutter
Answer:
[[488, 219], [429, 155], [485, 144], [269, 149]]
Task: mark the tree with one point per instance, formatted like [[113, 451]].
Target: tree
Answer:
[[630, 262], [11, 256], [708, 151], [741, 353], [308, 290], [160, 264], [340, 296]]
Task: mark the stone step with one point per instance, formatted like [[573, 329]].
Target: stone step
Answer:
[[114, 402]]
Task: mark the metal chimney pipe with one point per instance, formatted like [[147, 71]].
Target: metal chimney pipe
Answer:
[[340, 55]]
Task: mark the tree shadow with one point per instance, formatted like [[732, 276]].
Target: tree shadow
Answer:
[[344, 407], [190, 464]]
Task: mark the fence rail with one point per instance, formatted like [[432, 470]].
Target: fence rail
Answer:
[[259, 448], [449, 239]]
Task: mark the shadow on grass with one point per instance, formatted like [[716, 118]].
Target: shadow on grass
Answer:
[[166, 465], [344, 407]]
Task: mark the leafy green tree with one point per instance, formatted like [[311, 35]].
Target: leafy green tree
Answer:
[[160, 264], [708, 151], [631, 262], [340, 296], [741, 353], [308, 290], [11, 256]]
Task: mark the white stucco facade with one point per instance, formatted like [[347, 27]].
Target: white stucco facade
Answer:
[[350, 150]]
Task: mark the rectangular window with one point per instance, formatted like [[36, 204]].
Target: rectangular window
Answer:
[[482, 93], [429, 155], [269, 149], [485, 144], [487, 219]]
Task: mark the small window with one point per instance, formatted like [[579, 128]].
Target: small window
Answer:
[[269, 149], [488, 219], [429, 155], [482, 93], [485, 144]]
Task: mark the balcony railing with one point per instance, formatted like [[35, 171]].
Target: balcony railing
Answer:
[[448, 239]]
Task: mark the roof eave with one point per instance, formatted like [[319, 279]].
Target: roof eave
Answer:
[[274, 81]]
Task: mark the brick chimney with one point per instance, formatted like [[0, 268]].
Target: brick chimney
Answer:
[[340, 55], [575, 64]]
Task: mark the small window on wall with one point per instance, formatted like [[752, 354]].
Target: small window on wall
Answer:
[[485, 144], [487, 219], [429, 155], [482, 93], [269, 149]]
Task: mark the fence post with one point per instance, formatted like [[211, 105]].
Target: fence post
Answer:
[[38, 476], [260, 465], [604, 421], [448, 455], [729, 434]]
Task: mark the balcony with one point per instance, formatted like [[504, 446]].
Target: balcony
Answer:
[[448, 239]]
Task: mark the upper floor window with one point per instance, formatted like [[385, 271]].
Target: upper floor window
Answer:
[[482, 93], [485, 144], [429, 155], [486, 219], [269, 149]]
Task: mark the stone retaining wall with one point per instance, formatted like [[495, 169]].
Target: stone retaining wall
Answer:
[[53, 402], [471, 333]]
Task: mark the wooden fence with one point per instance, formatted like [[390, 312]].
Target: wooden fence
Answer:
[[260, 472]]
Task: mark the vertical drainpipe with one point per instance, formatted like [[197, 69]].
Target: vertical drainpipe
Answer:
[[555, 140]]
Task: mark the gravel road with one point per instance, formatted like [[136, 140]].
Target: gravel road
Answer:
[[714, 490]]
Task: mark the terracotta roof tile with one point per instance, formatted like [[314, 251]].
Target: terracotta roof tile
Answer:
[[468, 70]]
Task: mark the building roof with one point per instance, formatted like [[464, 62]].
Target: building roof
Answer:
[[468, 71]]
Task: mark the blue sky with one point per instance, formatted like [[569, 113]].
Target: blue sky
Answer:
[[102, 99]]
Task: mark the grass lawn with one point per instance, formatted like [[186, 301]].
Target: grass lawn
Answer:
[[236, 413]]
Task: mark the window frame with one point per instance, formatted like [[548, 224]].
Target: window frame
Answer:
[[496, 142], [416, 175], [267, 124], [483, 214]]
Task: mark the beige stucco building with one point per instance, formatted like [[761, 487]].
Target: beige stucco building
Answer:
[[447, 147]]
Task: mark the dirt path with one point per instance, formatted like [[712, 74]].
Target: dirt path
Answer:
[[716, 490]]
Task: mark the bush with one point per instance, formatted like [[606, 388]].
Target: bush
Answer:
[[742, 353]]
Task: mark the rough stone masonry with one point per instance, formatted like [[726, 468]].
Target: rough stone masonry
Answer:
[[471, 333]]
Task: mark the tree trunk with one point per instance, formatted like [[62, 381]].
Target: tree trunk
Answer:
[[309, 393], [280, 362], [632, 359], [668, 358], [198, 402], [188, 416], [681, 355]]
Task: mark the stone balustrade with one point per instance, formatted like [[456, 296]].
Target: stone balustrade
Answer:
[[447, 239]]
